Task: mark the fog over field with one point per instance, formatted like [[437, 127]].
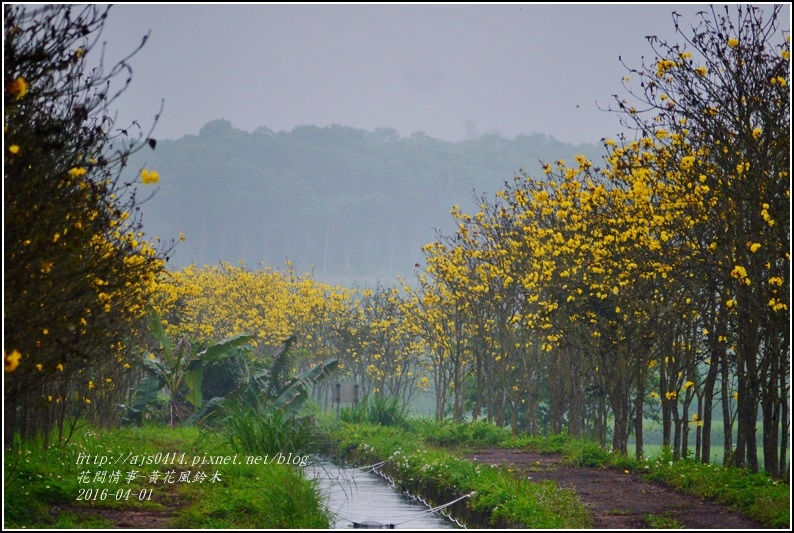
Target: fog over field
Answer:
[[430, 73]]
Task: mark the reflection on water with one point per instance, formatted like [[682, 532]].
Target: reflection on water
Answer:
[[361, 498]]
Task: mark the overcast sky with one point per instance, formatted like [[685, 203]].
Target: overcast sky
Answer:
[[450, 71]]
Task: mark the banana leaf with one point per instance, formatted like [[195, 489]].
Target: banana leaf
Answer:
[[295, 393], [201, 415], [158, 331], [225, 348], [146, 393]]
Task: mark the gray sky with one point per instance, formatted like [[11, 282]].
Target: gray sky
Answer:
[[446, 70]]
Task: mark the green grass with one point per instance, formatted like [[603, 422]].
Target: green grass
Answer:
[[267, 430], [39, 480], [661, 521], [478, 433], [757, 496], [256, 497], [376, 410]]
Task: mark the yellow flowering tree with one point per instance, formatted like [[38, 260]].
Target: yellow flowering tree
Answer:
[[725, 88], [607, 269], [78, 269]]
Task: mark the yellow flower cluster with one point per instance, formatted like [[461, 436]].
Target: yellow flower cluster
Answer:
[[11, 360], [17, 88], [77, 172], [663, 65], [149, 176]]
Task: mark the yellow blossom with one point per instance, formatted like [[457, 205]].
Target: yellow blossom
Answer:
[[672, 395], [663, 66], [18, 87], [14, 148], [688, 385], [12, 360], [77, 172], [757, 132], [733, 42], [754, 247], [739, 272], [149, 176], [701, 71], [59, 366]]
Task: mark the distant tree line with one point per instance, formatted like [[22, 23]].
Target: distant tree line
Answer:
[[341, 201]]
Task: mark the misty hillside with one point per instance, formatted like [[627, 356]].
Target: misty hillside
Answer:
[[349, 204]]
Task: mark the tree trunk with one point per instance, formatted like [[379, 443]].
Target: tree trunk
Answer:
[[708, 398], [727, 418], [638, 436]]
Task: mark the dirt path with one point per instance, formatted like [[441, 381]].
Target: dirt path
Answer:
[[618, 500], [135, 518]]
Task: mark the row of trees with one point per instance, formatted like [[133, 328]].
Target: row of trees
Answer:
[[662, 273], [366, 331]]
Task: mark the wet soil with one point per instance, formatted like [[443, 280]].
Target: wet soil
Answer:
[[618, 500]]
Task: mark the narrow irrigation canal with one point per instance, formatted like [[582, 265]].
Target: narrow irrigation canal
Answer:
[[359, 497]]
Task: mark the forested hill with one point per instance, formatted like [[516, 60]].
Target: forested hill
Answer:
[[349, 204]]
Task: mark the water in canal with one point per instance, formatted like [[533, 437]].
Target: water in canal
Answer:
[[358, 497]]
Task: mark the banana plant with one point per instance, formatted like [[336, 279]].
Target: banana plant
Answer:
[[262, 388], [179, 368], [272, 385]]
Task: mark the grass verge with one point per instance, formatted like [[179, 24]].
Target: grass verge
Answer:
[[48, 489]]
